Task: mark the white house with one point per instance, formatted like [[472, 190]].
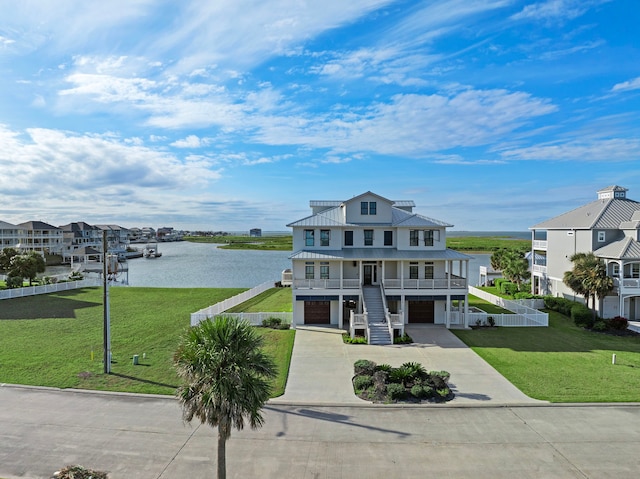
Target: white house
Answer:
[[369, 263], [610, 228]]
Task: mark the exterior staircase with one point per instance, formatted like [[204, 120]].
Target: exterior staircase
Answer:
[[378, 328]]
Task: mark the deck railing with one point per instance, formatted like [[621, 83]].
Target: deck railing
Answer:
[[455, 282]]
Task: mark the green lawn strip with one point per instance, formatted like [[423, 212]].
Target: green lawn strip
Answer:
[[561, 363], [48, 340], [264, 243], [273, 300], [487, 243], [279, 345], [486, 306]]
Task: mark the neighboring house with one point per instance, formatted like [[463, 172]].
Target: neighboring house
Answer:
[[10, 235], [77, 237], [117, 236], [610, 228], [41, 237], [372, 255], [255, 232]]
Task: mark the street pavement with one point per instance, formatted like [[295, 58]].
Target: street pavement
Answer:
[[319, 429]]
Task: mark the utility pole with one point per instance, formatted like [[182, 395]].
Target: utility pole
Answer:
[[105, 302]]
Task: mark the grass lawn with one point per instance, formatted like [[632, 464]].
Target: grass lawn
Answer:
[[274, 300], [266, 243], [487, 244], [49, 340], [562, 363]]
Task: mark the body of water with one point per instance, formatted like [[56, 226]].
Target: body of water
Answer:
[[198, 265]]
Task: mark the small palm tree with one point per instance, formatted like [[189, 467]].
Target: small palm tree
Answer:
[[226, 377], [588, 278]]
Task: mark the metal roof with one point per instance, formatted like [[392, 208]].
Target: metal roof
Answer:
[[350, 254], [626, 248], [601, 214]]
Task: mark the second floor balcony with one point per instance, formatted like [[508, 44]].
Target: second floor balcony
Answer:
[[448, 282]]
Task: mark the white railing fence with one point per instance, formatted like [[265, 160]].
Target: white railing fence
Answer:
[[219, 308], [525, 312], [48, 288]]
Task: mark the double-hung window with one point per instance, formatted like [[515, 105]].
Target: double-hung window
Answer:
[[309, 270], [348, 238], [308, 238], [324, 270], [428, 237], [428, 271], [368, 237], [388, 238], [413, 237], [413, 270], [324, 237], [602, 236], [368, 208]]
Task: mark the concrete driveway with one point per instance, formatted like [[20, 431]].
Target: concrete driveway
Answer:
[[322, 367]]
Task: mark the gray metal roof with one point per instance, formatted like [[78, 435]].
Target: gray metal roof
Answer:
[[401, 218], [7, 226], [350, 254], [600, 214], [626, 248]]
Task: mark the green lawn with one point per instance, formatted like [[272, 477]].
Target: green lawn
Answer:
[[274, 300], [266, 243], [562, 363], [487, 244], [49, 340]]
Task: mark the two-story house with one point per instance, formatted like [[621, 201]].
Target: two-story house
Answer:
[[610, 228], [41, 237], [10, 235], [369, 261]]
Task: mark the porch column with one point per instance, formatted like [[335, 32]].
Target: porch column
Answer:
[[466, 310], [341, 274], [382, 272], [450, 267], [402, 275], [340, 310], [447, 317]]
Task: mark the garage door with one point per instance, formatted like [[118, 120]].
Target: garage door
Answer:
[[317, 312], [421, 312]]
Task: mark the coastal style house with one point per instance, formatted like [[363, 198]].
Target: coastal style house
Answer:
[[10, 235], [610, 228], [41, 237], [372, 264]]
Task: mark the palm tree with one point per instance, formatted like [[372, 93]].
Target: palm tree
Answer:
[[226, 377], [588, 278], [515, 267]]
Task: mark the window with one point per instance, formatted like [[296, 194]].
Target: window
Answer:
[[413, 238], [615, 270], [324, 237], [308, 270], [368, 208], [413, 270], [601, 236], [388, 238], [348, 238], [428, 238], [324, 270], [635, 270], [308, 238], [368, 237], [428, 271]]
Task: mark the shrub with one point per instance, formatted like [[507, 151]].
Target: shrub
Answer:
[[384, 367], [618, 323], [275, 323], [523, 295], [497, 282], [404, 339], [561, 305], [508, 288], [355, 340], [417, 391], [14, 282], [401, 375], [360, 383], [490, 321], [582, 316], [444, 375], [396, 391], [599, 325], [364, 367], [416, 370], [79, 472]]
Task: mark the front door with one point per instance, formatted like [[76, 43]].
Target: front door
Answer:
[[370, 272]]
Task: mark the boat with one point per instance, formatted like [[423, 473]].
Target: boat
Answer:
[[151, 251]]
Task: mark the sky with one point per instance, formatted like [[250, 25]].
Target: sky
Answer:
[[491, 115]]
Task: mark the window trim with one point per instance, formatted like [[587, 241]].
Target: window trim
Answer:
[[428, 235], [309, 270], [602, 236], [309, 239], [364, 208], [350, 242], [414, 238], [324, 270], [368, 241], [388, 238], [325, 241], [414, 271]]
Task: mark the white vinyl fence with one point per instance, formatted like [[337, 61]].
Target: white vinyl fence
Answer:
[[255, 319], [48, 288], [524, 314], [218, 308]]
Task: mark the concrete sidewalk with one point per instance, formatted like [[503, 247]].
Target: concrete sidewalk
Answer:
[[322, 367]]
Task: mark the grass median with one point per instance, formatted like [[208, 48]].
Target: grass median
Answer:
[[56, 339]]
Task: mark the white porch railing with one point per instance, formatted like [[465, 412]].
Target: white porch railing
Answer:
[[49, 288], [222, 306], [539, 244], [357, 321]]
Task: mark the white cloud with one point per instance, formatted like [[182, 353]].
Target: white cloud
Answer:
[[6, 41], [633, 84], [191, 141], [615, 149], [556, 10]]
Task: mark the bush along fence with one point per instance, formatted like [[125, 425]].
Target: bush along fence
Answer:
[[49, 288], [219, 308], [263, 319], [523, 313]]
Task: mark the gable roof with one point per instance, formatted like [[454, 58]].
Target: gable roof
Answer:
[[37, 225], [600, 214], [626, 248]]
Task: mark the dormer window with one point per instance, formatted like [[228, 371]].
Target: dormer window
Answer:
[[368, 208]]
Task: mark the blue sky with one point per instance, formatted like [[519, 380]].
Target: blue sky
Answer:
[[233, 114]]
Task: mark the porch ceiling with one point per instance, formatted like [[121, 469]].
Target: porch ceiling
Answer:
[[380, 254]]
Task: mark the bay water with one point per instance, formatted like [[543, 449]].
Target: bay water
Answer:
[[200, 265]]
